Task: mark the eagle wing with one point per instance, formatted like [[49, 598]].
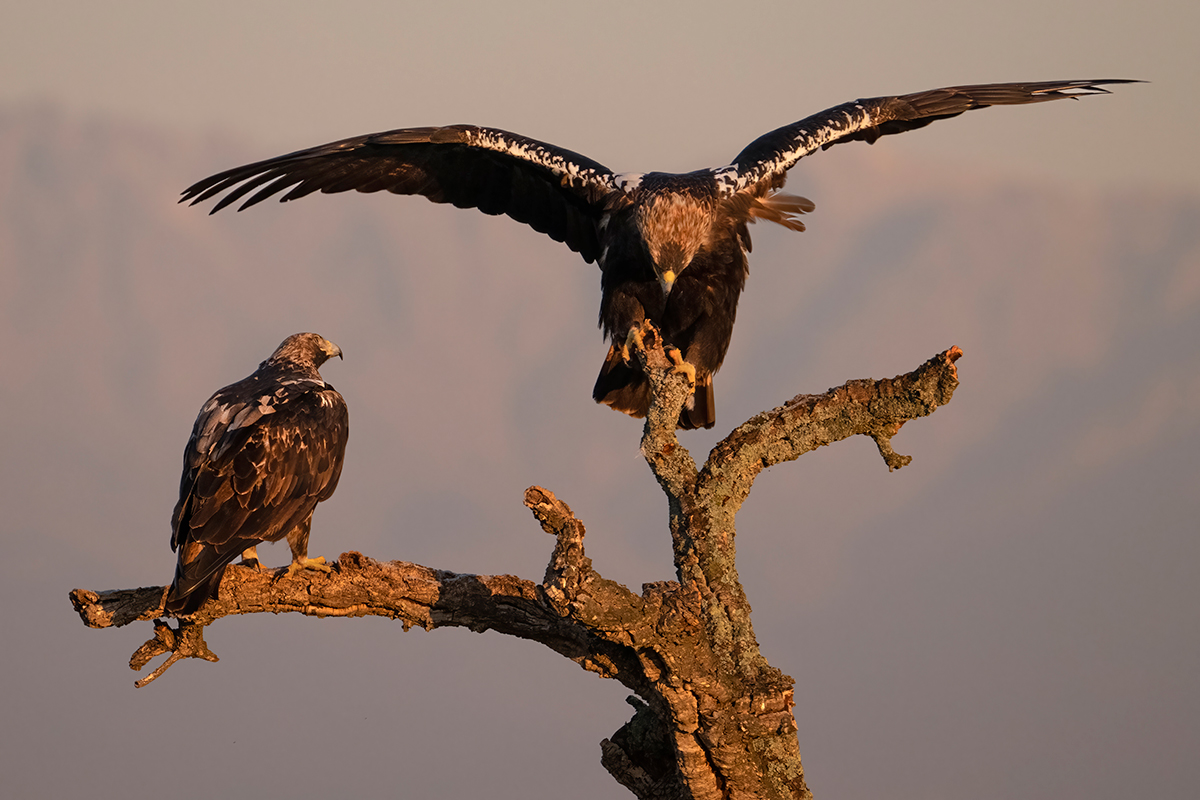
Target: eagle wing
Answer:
[[555, 191], [771, 155], [259, 460]]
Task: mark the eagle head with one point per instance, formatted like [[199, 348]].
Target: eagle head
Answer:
[[309, 350], [674, 225]]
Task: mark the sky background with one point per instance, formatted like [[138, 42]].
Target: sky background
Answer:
[[632, 85], [1014, 613]]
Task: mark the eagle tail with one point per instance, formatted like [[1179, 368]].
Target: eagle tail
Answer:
[[198, 574], [702, 411], [625, 388], [622, 386], [186, 596]]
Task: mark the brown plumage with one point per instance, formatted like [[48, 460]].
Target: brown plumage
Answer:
[[671, 248], [263, 452]]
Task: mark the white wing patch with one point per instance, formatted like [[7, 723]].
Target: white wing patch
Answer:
[[841, 121], [531, 151], [726, 179], [628, 181]]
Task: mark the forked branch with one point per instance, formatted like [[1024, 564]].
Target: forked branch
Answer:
[[712, 719]]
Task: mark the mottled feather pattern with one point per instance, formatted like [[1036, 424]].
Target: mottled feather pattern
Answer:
[[671, 218], [869, 118], [553, 190], [263, 452]]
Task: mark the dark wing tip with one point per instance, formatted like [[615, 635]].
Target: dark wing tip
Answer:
[[953, 100], [275, 172], [1055, 90], [240, 180], [1079, 88]]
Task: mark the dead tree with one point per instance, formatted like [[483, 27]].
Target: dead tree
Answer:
[[713, 719]]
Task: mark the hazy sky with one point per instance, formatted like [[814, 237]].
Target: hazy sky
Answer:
[[637, 86], [1012, 615]]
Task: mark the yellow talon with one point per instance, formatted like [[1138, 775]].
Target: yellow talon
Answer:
[[317, 563], [682, 366], [634, 337]]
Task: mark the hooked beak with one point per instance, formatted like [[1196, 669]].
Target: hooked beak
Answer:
[[332, 350], [666, 280], [670, 262]]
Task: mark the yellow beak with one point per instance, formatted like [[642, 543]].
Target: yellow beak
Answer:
[[667, 280]]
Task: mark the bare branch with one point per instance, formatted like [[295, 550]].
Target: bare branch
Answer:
[[671, 463], [357, 586], [185, 642], [574, 613], [114, 609], [859, 407], [568, 565]]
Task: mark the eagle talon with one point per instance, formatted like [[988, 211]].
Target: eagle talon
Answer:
[[250, 559], [317, 564], [634, 338], [682, 366]]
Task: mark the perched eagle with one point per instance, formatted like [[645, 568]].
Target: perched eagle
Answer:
[[263, 452], [671, 247]]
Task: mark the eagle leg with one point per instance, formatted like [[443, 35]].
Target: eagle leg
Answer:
[[634, 338], [637, 337], [250, 558], [298, 542], [682, 366]]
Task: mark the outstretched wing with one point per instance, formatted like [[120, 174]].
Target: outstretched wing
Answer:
[[555, 191], [255, 468], [770, 156]]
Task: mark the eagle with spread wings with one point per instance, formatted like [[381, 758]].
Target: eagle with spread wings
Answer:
[[263, 452], [671, 247]]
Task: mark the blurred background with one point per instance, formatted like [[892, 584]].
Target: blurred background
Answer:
[[1014, 614]]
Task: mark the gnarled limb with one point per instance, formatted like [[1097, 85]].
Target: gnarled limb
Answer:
[[186, 641], [713, 719]]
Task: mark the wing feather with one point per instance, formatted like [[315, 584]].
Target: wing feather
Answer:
[[769, 157], [247, 483], [555, 191]]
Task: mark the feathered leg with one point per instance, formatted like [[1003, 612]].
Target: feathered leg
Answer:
[[298, 542], [250, 558]]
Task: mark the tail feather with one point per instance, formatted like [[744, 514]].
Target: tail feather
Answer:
[[198, 573], [626, 389], [186, 597], [622, 386], [701, 412]]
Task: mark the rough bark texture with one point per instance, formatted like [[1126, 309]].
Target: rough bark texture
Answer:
[[712, 718]]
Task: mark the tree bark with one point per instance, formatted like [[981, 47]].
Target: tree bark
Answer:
[[712, 718]]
